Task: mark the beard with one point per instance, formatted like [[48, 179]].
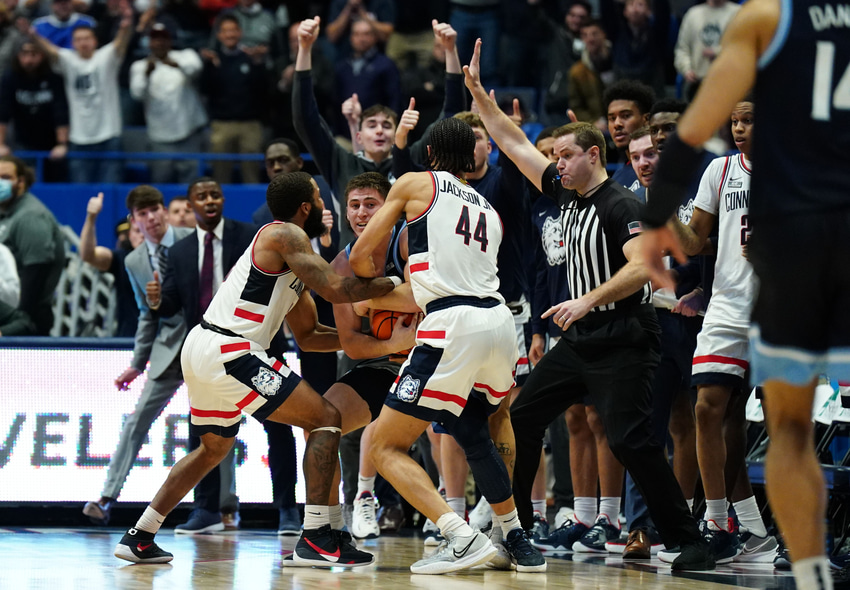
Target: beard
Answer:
[[313, 226]]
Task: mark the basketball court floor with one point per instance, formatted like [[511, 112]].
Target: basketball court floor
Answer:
[[81, 558]]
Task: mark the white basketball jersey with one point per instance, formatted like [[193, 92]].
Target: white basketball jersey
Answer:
[[724, 191], [453, 244], [253, 302]]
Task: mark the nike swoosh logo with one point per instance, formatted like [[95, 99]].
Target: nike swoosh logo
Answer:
[[141, 547], [457, 554], [541, 214], [329, 556]]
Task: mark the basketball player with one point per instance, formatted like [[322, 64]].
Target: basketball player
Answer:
[[359, 395], [721, 357], [460, 369], [227, 371], [798, 248]]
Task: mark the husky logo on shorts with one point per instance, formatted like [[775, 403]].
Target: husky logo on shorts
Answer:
[[407, 389], [266, 382]]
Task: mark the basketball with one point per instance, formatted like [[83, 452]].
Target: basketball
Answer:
[[382, 322]]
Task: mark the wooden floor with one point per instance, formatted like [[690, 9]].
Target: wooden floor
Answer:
[[54, 559]]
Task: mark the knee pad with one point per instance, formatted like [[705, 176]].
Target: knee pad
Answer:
[[489, 471]]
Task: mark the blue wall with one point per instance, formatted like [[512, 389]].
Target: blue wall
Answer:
[[68, 203]]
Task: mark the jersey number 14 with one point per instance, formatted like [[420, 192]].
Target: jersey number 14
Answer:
[[823, 97]]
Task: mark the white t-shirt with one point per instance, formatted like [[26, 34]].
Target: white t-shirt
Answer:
[[173, 108], [724, 191], [93, 100]]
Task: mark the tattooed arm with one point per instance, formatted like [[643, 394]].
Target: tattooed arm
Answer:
[[310, 335], [282, 245]]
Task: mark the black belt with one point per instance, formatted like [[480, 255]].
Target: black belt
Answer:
[[454, 301], [223, 331]]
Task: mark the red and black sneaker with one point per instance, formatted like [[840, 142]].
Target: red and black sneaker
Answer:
[[324, 547], [138, 546]]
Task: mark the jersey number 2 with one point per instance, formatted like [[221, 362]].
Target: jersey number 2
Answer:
[[823, 97], [480, 233]]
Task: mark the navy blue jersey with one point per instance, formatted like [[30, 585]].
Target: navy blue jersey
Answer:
[[801, 151], [505, 188], [551, 286], [394, 263]]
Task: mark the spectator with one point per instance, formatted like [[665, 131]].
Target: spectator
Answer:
[[699, 41], [258, 26], [112, 261], [234, 81], [10, 282], [368, 73], [165, 83], [627, 104], [30, 231], [425, 82], [590, 76], [193, 26], [10, 37], [281, 91], [32, 98], [59, 26], [91, 83], [639, 32], [473, 19], [180, 213], [412, 39], [565, 49], [380, 14]]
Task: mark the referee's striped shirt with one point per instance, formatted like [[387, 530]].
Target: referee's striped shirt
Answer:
[[595, 228]]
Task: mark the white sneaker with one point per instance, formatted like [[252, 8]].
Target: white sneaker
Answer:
[[755, 549], [502, 560], [364, 524], [564, 514], [456, 554], [481, 515]]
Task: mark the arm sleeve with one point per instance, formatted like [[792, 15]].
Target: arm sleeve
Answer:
[[540, 294], [454, 102], [311, 127], [403, 163], [146, 330]]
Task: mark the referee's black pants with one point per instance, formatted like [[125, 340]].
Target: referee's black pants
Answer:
[[606, 359]]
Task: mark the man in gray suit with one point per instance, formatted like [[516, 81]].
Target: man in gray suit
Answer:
[[157, 340]]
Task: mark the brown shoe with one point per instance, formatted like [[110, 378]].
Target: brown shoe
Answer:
[[638, 546], [230, 520]]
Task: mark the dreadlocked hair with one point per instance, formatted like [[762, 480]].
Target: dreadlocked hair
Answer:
[[452, 145]]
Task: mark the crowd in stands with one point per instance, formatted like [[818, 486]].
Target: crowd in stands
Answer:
[[357, 89]]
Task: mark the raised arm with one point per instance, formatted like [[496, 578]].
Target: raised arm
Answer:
[[125, 32], [98, 256], [510, 138], [49, 49]]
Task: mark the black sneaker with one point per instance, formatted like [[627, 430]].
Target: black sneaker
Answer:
[[782, 561], [138, 546], [324, 547], [526, 557], [696, 557]]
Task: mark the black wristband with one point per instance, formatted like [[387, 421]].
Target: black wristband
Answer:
[[676, 168]]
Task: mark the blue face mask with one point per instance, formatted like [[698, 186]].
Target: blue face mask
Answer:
[[5, 190]]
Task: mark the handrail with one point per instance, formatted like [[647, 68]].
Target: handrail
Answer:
[[201, 157]]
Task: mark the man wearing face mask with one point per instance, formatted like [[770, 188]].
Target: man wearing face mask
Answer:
[[30, 231]]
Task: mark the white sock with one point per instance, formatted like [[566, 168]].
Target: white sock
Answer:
[[585, 510], [539, 506], [747, 511], [452, 525], [812, 573], [509, 521], [365, 484], [690, 503], [336, 518], [610, 507], [458, 505], [316, 516], [715, 510], [150, 521]]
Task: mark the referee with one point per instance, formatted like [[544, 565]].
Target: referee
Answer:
[[611, 343]]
